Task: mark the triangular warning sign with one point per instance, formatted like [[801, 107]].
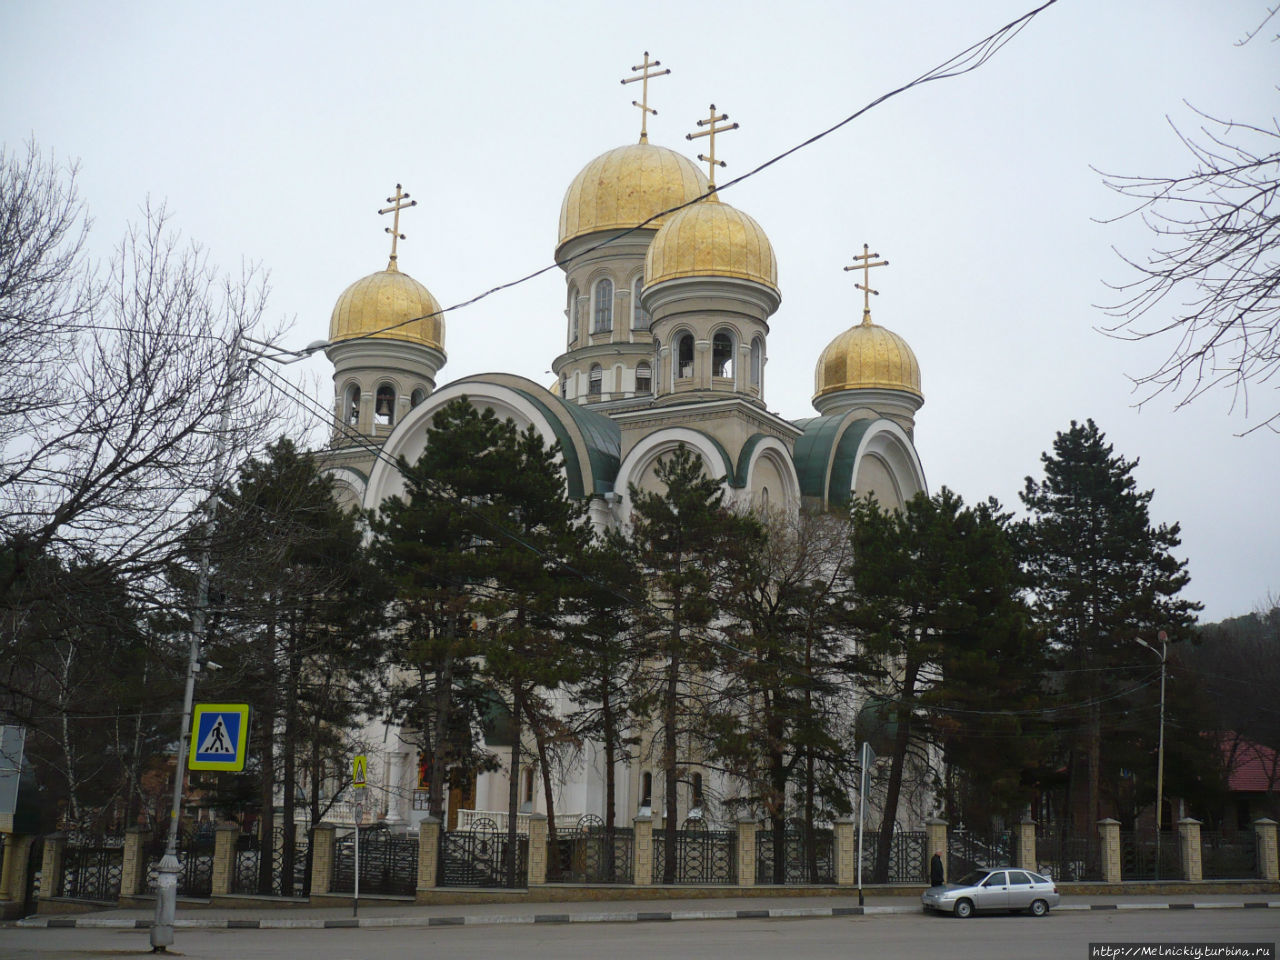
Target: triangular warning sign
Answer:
[[217, 740]]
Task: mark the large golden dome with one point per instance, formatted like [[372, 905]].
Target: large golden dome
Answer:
[[867, 356], [711, 239], [625, 187], [388, 299]]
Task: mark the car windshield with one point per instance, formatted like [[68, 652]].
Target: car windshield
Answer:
[[974, 878]]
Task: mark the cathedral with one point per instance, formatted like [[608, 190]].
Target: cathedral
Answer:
[[669, 297]]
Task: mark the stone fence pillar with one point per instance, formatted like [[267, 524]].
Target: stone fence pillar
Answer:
[[643, 839], [224, 857], [428, 852], [133, 871], [1190, 850], [51, 866], [1027, 845], [322, 850], [1109, 831], [747, 828], [935, 830], [846, 838], [13, 874], [537, 849], [1264, 831]]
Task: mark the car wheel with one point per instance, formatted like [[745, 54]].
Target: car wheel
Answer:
[[964, 908], [1039, 908]]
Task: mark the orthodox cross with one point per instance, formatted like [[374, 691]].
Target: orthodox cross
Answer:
[[868, 261], [643, 102], [711, 131], [397, 205]]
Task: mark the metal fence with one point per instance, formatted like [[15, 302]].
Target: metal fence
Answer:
[[195, 863], [700, 855], [908, 860], [591, 853], [1233, 857], [970, 849], [1067, 856], [1138, 856], [92, 870], [263, 870], [478, 858], [388, 863], [796, 855]]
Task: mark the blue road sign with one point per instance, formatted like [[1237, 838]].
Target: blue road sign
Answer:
[[219, 736]]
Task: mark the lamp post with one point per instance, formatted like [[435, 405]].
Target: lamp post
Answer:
[[1162, 653]]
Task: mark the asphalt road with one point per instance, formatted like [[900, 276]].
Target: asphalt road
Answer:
[[1060, 936]]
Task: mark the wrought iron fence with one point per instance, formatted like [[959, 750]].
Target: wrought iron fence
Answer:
[[796, 855], [477, 857], [591, 853], [908, 857], [195, 863], [1067, 856], [264, 871], [92, 870], [700, 856], [969, 849], [1138, 856], [388, 863], [1232, 857]]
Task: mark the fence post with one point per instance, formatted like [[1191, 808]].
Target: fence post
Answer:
[[13, 877], [322, 842], [846, 837], [133, 869], [537, 849], [225, 836], [1027, 845], [1109, 831], [1264, 830], [935, 829], [1189, 848], [51, 866], [746, 850], [643, 838], [428, 852]]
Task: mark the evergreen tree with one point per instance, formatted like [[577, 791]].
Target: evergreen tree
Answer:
[[1102, 575]]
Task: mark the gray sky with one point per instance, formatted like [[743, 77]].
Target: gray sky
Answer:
[[275, 131]]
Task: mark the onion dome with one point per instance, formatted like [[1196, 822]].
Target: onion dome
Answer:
[[388, 305], [867, 357], [625, 187], [711, 239]]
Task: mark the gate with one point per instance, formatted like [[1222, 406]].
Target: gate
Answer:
[[1065, 856], [908, 857], [91, 870], [388, 863], [1138, 856], [701, 855], [477, 857], [195, 863], [1229, 857], [592, 853], [969, 849], [806, 856], [281, 879]]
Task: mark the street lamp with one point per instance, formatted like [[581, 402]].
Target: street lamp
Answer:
[[1162, 653]]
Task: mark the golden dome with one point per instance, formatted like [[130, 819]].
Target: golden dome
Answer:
[[867, 356], [711, 239], [386, 300], [625, 187]]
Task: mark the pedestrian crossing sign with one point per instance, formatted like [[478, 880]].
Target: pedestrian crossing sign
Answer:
[[219, 736]]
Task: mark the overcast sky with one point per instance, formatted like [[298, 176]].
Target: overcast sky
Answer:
[[275, 131]]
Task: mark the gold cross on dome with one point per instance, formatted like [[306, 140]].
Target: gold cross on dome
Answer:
[[867, 258], [643, 102], [710, 158], [397, 204]]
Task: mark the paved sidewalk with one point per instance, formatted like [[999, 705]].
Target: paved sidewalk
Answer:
[[376, 913]]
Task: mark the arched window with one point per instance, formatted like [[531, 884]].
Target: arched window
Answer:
[[646, 789], [697, 790], [351, 406], [573, 314], [722, 354], [594, 380], [657, 361], [417, 397], [764, 499], [757, 361], [640, 318], [384, 405], [528, 785], [564, 385], [684, 356], [644, 380], [604, 307]]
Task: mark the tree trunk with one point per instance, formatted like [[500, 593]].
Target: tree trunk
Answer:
[[293, 667], [444, 700], [513, 788], [548, 795], [267, 724], [669, 756], [884, 845]]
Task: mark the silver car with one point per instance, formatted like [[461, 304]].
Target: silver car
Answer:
[[995, 888]]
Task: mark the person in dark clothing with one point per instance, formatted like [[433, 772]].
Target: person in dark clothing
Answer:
[[936, 877]]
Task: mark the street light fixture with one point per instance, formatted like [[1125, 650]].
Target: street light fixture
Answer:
[[1162, 653]]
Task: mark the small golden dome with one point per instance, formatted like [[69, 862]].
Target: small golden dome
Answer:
[[625, 187], [868, 357], [388, 299], [711, 239]]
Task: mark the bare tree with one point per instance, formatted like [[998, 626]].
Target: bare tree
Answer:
[[1216, 262]]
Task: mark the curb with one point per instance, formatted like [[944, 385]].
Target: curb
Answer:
[[646, 916]]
